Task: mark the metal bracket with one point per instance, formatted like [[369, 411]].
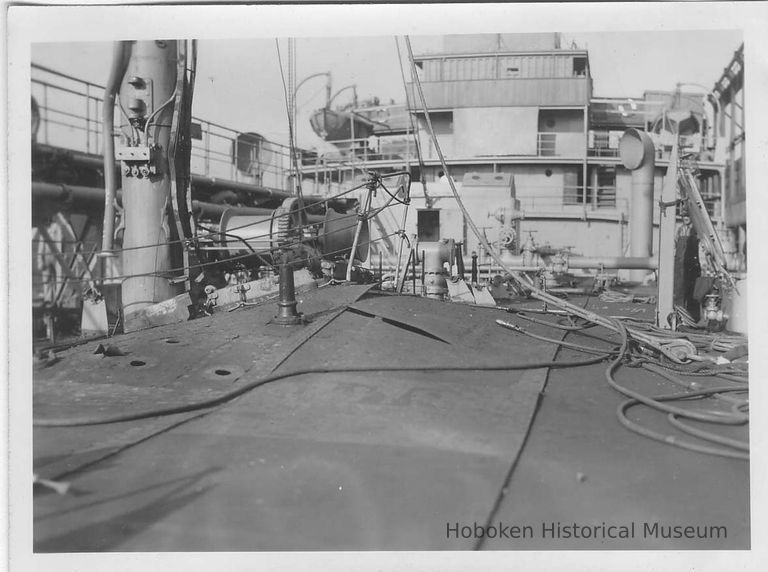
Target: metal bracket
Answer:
[[138, 162]]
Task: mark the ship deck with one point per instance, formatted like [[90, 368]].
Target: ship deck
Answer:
[[365, 460]]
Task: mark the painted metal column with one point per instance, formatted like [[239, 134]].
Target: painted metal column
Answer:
[[667, 225], [147, 93], [637, 154]]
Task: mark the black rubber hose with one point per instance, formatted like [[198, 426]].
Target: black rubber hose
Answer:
[[671, 439], [656, 403], [230, 395], [692, 384], [707, 435], [553, 324], [563, 343]]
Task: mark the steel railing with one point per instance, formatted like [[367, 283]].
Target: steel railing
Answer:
[[70, 117], [572, 198]]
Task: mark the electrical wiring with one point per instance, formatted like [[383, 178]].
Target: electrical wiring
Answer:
[[658, 403], [232, 394], [237, 257], [654, 368], [578, 347], [554, 325], [212, 233], [230, 259], [134, 130], [735, 417], [615, 296], [725, 371], [738, 414], [156, 112], [718, 342], [245, 242]]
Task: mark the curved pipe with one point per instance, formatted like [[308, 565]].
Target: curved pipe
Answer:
[[353, 87], [120, 58], [637, 154]]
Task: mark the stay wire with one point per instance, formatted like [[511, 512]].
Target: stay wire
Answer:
[[258, 253], [419, 156], [291, 140], [212, 233]]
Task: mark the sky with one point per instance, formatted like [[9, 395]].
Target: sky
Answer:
[[239, 83]]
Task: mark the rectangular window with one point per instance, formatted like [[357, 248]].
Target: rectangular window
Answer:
[[580, 66]]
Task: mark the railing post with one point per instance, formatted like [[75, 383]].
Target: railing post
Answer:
[[45, 108], [207, 151], [233, 161], [87, 118], [97, 113]]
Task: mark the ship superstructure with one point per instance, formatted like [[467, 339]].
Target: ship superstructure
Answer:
[[534, 154], [525, 137]]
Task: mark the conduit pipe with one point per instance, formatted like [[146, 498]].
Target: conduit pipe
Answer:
[[515, 262], [613, 262], [637, 154], [72, 195], [120, 58], [200, 182]]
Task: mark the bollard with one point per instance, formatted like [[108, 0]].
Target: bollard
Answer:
[[286, 305]]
